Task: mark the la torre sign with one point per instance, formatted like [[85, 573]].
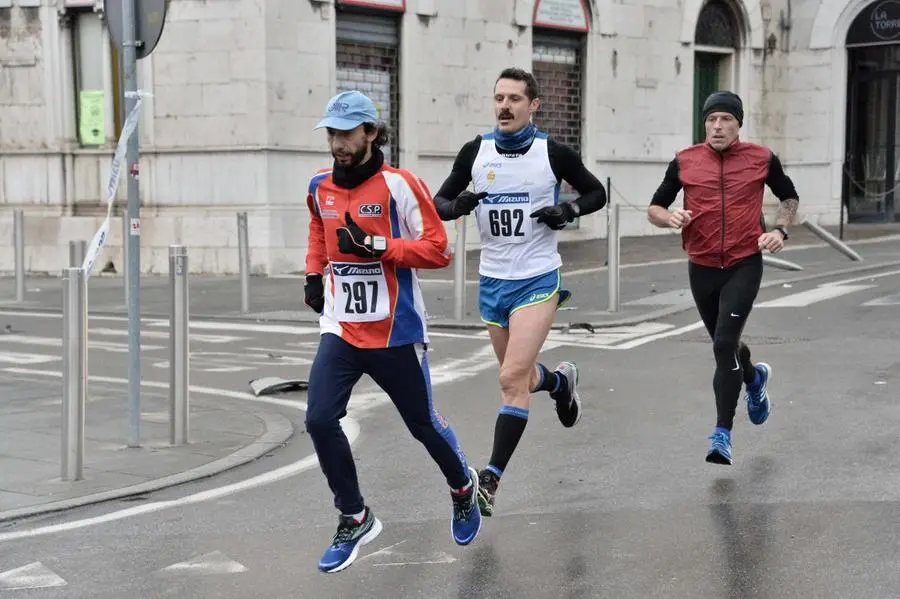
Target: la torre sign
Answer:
[[878, 23]]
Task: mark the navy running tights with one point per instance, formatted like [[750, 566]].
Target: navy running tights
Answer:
[[403, 375]]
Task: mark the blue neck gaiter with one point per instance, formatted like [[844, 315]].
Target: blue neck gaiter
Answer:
[[515, 141]]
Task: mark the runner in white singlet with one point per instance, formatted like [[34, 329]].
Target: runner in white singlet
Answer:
[[516, 171]]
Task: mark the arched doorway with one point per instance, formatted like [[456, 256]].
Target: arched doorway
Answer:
[[717, 40], [872, 161]]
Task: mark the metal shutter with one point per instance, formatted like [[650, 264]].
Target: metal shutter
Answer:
[[368, 29]]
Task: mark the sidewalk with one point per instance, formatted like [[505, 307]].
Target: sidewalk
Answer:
[[653, 283], [222, 436]]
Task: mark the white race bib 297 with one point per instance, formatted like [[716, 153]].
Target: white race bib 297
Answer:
[[360, 292], [505, 217]]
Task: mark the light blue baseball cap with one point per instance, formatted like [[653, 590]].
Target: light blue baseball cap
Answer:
[[349, 110]]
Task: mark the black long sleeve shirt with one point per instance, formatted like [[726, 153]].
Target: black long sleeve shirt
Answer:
[[777, 180], [564, 161]]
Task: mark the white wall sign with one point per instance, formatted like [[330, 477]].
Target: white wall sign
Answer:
[[79, 3], [395, 5], [571, 15]]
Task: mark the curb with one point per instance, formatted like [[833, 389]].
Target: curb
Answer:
[[279, 430]]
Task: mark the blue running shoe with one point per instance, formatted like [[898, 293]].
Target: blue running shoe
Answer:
[[720, 447], [466, 516], [758, 397], [350, 536]]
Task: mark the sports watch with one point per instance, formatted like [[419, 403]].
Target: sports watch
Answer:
[[378, 242], [783, 231]]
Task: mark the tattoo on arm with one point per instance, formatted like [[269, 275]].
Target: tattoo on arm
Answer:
[[787, 211]]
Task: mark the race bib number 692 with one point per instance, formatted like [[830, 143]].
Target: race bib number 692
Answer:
[[505, 217], [360, 292]]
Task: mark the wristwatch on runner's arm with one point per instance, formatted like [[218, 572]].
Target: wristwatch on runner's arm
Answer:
[[379, 242], [782, 230]]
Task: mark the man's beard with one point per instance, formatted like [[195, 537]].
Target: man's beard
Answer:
[[355, 158]]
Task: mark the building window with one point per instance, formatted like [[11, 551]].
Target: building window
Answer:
[[558, 66], [717, 39], [368, 59], [96, 89]]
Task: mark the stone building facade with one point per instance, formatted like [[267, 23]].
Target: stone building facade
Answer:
[[237, 86]]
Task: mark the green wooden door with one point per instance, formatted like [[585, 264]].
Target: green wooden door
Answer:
[[706, 81]]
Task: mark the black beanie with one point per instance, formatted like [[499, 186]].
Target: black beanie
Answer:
[[724, 102]]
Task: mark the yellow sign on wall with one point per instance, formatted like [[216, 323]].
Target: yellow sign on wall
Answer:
[[92, 118]]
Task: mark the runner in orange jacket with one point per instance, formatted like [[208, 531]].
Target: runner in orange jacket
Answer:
[[371, 226]]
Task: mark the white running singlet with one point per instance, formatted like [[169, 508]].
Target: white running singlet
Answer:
[[513, 245]]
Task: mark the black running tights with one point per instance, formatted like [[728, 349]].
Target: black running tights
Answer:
[[724, 298]]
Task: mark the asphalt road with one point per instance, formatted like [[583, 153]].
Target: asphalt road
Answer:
[[622, 506]]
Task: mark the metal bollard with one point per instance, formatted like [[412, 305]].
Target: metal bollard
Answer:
[[612, 241], [75, 372], [179, 346], [769, 260], [832, 240], [244, 261], [459, 271], [77, 250], [19, 234]]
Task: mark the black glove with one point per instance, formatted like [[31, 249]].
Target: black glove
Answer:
[[465, 202], [353, 240], [555, 217], [314, 292]]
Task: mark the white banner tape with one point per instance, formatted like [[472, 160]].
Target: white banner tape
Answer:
[[131, 121]]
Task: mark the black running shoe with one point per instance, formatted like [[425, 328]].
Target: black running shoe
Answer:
[[487, 488]]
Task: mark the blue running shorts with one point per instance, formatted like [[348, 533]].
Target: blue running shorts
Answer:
[[499, 298]]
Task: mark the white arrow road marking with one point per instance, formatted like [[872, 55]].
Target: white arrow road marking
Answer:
[[33, 576], [214, 562], [888, 300], [439, 558]]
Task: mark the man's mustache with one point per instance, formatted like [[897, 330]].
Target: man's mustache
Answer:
[[506, 115]]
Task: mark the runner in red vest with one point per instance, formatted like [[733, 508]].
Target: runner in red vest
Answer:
[[723, 234]]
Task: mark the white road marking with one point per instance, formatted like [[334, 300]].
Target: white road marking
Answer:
[[416, 558], [20, 358], [806, 298], [214, 562], [236, 361], [448, 371], [109, 346], [671, 333], [887, 300], [440, 558], [880, 275], [198, 337], [284, 329], [608, 338], [91, 317], [33, 576]]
